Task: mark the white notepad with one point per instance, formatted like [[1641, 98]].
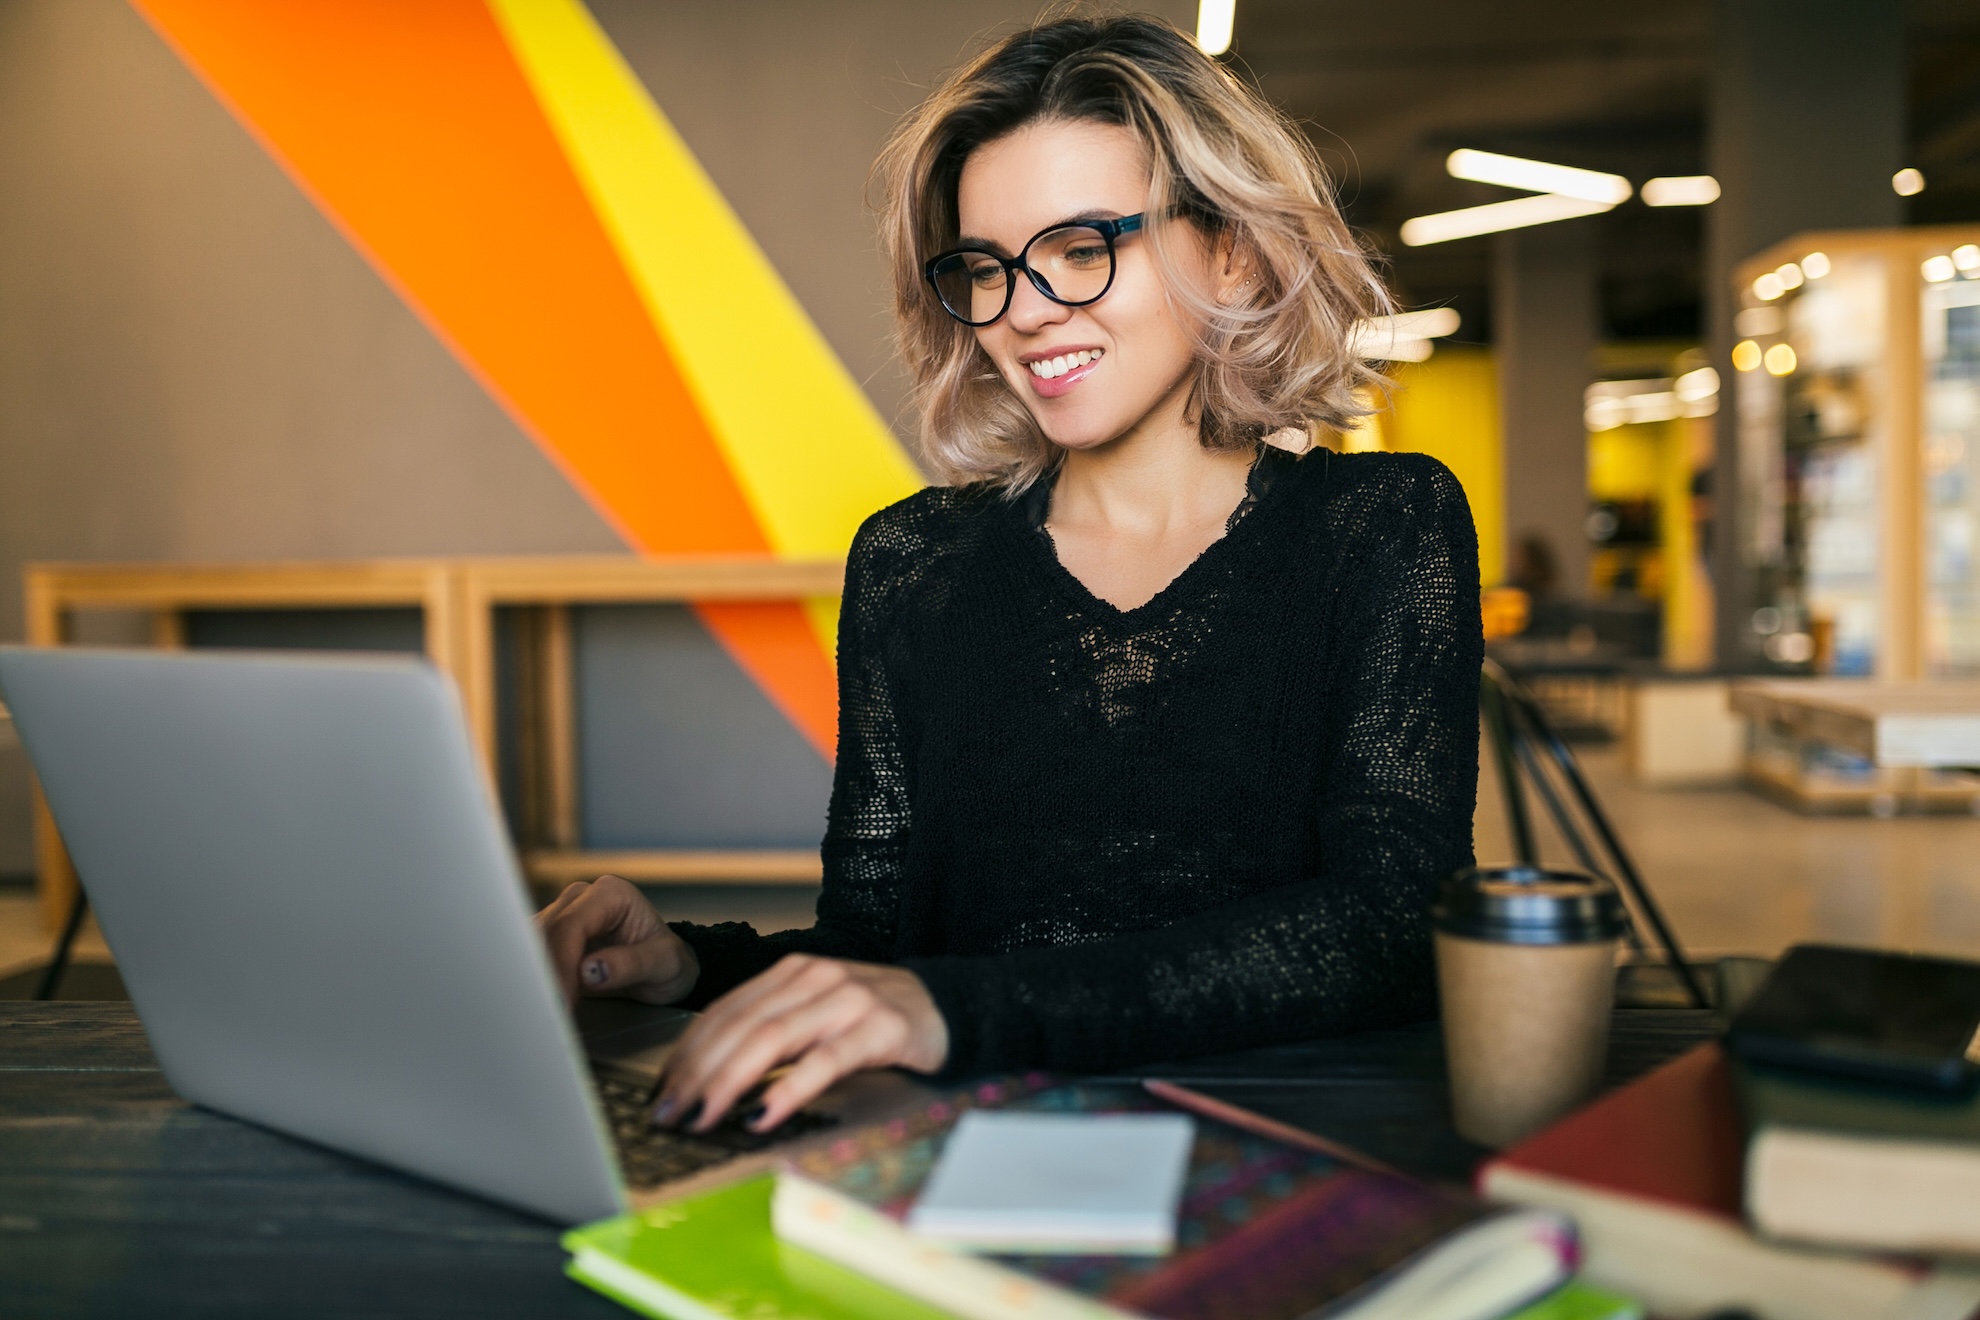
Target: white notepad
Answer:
[[1058, 1183]]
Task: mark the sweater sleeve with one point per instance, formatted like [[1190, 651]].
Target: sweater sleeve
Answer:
[[866, 824], [1346, 945]]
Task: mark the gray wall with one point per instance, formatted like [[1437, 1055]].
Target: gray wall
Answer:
[[194, 365]]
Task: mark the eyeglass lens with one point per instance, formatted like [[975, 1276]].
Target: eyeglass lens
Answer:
[[1072, 265]]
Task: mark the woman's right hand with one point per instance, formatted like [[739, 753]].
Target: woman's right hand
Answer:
[[605, 939]]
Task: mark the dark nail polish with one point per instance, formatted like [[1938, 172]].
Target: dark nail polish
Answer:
[[753, 1114], [594, 972], [662, 1112], [692, 1116]]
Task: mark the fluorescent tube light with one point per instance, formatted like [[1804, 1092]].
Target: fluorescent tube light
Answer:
[[1214, 21], [1696, 386], [1490, 219], [1537, 176], [1404, 337], [1395, 350], [1681, 190]]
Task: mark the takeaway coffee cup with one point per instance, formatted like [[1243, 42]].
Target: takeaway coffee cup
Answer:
[[1526, 965]]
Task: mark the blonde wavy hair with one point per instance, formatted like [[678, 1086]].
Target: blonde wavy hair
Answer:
[[1220, 158]]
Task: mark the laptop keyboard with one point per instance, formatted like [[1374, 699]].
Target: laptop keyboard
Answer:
[[649, 1156]]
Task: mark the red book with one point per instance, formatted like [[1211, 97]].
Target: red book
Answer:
[[1651, 1175]]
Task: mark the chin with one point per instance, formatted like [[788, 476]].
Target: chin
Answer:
[[1080, 432]]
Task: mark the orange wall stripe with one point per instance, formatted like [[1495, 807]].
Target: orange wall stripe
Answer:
[[777, 647], [411, 127]]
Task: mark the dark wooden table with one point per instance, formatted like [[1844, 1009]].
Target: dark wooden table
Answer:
[[117, 1198]]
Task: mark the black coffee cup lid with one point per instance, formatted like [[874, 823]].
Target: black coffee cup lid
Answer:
[[1528, 905]]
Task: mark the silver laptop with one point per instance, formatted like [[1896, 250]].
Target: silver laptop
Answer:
[[300, 867]]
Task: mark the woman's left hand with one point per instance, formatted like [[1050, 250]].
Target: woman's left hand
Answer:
[[824, 1016]]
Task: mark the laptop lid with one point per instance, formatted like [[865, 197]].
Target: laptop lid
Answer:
[[300, 869]]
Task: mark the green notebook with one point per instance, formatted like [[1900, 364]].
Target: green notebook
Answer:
[[713, 1257], [1578, 1301]]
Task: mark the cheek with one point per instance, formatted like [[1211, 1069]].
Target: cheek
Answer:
[[1148, 326]]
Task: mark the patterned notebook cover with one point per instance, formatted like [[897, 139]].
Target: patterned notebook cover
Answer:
[[1267, 1230]]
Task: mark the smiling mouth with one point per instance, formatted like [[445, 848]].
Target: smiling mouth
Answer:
[[1052, 368]]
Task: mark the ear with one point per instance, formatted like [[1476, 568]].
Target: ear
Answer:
[[1236, 268]]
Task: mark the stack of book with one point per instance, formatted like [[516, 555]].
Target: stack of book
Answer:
[[1824, 1162], [1228, 1215]]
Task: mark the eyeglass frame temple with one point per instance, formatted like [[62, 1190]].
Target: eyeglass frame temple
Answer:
[[1110, 230]]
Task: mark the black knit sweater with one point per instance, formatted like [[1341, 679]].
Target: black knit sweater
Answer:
[[1104, 837]]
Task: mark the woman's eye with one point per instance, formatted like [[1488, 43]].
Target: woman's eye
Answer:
[[986, 276], [1087, 254]]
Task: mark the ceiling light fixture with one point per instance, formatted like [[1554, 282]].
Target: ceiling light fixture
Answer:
[[1768, 286], [1789, 275], [1404, 337], [1215, 20], [1937, 270], [1681, 190], [1746, 355], [1967, 257], [1493, 217], [1815, 265], [1908, 182], [1779, 360], [1537, 176]]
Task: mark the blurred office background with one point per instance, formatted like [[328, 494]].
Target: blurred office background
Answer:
[[230, 333]]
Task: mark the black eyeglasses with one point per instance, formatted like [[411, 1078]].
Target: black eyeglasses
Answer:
[[1073, 265]]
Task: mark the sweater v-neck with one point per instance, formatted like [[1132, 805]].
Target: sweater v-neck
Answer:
[[1270, 472]]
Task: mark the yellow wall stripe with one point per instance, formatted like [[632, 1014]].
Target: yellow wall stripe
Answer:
[[812, 455]]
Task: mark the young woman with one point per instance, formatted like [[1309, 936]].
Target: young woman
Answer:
[[1154, 735]]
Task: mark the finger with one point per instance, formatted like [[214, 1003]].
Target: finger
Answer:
[[611, 969], [708, 1039], [565, 940], [774, 1042], [707, 1045], [870, 1042], [565, 897], [581, 914]]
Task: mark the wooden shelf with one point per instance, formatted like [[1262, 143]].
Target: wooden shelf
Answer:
[[457, 598], [682, 866]]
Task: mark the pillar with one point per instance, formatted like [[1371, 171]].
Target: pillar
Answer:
[[1544, 331], [1804, 128]]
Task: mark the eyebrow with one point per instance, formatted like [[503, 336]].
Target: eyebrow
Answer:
[[1077, 218]]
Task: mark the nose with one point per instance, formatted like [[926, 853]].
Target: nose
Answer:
[[1031, 310]]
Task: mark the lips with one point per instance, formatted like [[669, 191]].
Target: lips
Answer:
[[1058, 374]]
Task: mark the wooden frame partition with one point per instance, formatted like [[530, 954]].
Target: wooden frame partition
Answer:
[[543, 592], [458, 599], [54, 592]]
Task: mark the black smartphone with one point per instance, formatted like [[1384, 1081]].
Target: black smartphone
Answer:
[[1866, 1013]]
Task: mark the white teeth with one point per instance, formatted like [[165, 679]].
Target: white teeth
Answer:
[[1049, 368]]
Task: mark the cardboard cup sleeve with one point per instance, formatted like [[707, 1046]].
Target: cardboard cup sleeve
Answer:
[[1526, 965]]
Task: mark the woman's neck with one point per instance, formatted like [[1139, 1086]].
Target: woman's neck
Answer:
[[1129, 516], [1156, 479]]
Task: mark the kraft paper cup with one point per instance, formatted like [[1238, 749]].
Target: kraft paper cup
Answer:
[[1526, 966]]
